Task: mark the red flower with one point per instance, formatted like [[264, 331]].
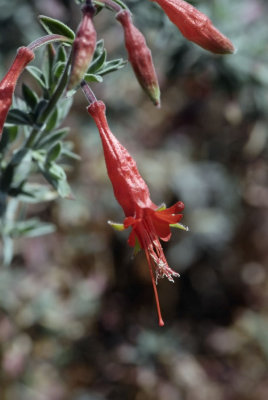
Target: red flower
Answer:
[[8, 83], [196, 26], [149, 223], [140, 57]]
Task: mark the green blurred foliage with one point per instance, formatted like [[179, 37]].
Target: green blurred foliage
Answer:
[[77, 313]]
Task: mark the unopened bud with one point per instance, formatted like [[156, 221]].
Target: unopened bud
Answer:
[[140, 57], [196, 26], [83, 47]]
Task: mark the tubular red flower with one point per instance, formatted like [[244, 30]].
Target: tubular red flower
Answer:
[[140, 57], [196, 26], [83, 47], [148, 222], [8, 83]]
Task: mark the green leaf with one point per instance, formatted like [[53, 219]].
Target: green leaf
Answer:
[[40, 108], [53, 137], [10, 133], [18, 117], [70, 154], [61, 54], [92, 78], [53, 153], [98, 62], [55, 26], [31, 228], [112, 65], [52, 121], [55, 175], [58, 70], [36, 193], [37, 75], [63, 108], [29, 96], [23, 164]]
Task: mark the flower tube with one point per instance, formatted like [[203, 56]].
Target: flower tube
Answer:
[[196, 26], [148, 222], [140, 57], [8, 83]]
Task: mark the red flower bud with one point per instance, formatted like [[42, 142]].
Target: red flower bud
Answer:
[[83, 47], [196, 26], [140, 57], [148, 222], [8, 83]]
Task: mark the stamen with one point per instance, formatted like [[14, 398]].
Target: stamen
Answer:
[[161, 322]]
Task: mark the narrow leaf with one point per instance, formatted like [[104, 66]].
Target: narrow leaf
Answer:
[[52, 25], [29, 96], [92, 78]]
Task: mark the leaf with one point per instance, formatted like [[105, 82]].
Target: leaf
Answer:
[[52, 121], [112, 65], [53, 137], [61, 54], [36, 193], [97, 63], [53, 153], [70, 154], [23, 164], [10, 133], [58, 70], [55, 26], [31, 228], [38, 75], [40, 108], [30, 96], [63, 107], [56, 176], [92, 78], [18, 117]]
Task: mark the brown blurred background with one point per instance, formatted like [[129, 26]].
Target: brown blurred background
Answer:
[[77, 312]]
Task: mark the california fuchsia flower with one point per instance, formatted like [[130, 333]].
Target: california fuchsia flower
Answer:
[[196, 26], [83, 47], [140, 57], [8, 83], [149, 223]]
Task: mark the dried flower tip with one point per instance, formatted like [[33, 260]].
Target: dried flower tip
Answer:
[[83, 47], [8, 83], [140, 57], [196, 26]]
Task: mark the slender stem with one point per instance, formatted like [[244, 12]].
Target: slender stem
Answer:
[[109, 4], [47, 39], [50, 105], [88, 92]]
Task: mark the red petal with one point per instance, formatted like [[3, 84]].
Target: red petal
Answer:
[[176, 208], [162, 229], [132, 239]]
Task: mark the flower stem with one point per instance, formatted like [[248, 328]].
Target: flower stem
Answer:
[[88, 92], [110, 4], [47, 39]]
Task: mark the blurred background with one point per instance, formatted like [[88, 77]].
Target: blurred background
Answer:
[[77, 311]]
